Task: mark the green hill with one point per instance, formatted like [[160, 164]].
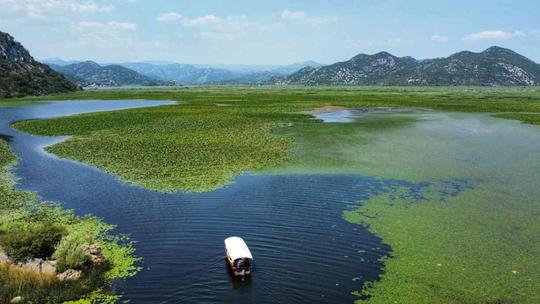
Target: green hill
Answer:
[[21, 75]]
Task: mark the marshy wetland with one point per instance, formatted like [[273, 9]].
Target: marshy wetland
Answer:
[[425, 188]]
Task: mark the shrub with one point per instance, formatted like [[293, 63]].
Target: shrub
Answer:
[[34, 242], [70, 254]]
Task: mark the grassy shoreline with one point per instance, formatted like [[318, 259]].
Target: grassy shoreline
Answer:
[[21, 212]]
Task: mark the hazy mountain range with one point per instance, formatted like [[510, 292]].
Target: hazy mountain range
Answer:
[[89, 73], [495, 66], [157, 73], [21, 75]]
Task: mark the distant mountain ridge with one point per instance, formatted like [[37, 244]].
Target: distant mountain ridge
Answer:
[[165, 72], [89, 73], [495, 66], [207, 74], [21, 75], [181, 73]]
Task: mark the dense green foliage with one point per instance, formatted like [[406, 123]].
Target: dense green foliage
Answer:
[[33, 229], [35, 242], [21, 75]]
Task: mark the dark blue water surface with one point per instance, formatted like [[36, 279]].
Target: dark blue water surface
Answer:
[[304, 252]]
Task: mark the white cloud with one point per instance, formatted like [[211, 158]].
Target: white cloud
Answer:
[[167, 17], [439, 38], [290, 15], [101, 36], [90, 7], [204, 20], [190, 22], [496, 35], [45, 8], [111, 26], [212, 28]]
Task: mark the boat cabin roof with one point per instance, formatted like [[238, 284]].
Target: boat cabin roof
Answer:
[[237, 248]]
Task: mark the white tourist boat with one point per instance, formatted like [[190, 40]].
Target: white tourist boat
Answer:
[[238, 256]]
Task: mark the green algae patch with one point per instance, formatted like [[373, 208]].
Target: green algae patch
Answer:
[[470, 237], [480, 246]]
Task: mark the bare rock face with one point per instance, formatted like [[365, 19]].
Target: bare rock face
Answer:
[[92, 248], [21, 75], [3, 257], [94, 251], [70, 275], [40, 266]]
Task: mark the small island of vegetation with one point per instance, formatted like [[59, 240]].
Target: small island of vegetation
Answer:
[[49, 255]]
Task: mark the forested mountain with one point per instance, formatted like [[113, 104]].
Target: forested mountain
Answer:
[[21, 75]]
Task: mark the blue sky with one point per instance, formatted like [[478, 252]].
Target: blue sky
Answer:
[[267, 32]]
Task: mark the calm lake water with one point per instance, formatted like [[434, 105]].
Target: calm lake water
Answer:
[[304, 252]]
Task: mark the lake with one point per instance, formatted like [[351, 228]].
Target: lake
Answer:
[[484, 170], [303, 249]]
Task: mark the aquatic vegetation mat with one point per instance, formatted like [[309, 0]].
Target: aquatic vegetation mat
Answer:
[[200, 144], [477, 244]]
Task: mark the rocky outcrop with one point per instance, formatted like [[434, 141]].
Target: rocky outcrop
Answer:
[[3, 257], [21, 75], [94, 252], [39, 266], [69, 275]]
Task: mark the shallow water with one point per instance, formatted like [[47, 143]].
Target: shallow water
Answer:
[[351, 115], [303, 250]]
